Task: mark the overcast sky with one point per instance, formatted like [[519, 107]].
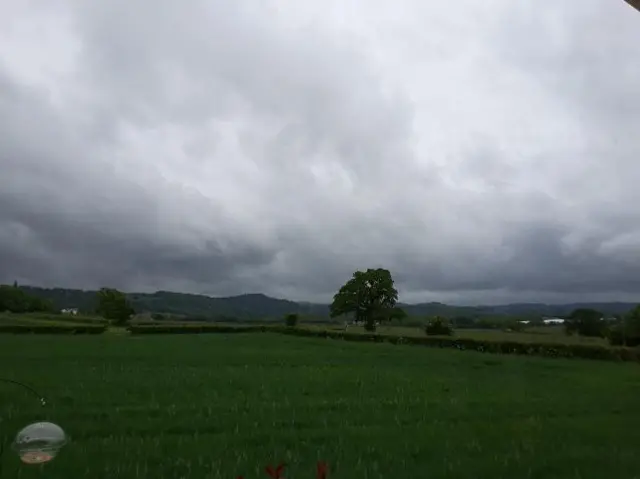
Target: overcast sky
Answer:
[[482, 151]]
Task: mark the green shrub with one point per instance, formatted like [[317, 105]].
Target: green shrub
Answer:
[[291, 320], [438, 326]]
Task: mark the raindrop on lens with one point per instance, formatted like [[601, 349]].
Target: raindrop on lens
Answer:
[[39, 442]]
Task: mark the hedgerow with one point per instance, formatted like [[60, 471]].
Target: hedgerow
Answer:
[[68, 318], [486, 346], [195, 329], [52, 329]]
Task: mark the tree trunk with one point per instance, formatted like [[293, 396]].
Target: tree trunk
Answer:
[[370, 323]]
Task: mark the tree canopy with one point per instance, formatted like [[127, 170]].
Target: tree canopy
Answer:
[[370, 296], [585, 322], [114, 305], [15, 300]]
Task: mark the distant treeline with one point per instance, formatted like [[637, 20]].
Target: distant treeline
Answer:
[[16, 300], [251, 307]]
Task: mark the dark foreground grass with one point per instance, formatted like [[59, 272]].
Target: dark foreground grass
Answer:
[[215, 406]]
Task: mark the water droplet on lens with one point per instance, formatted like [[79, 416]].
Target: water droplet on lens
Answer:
[[39, 442]]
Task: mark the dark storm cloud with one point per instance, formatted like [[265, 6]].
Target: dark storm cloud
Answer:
[[539, 263], [222, 149], [61, 224]]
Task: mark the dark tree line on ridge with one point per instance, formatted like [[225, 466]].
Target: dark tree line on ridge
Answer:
[[16, 300], [249, 307]]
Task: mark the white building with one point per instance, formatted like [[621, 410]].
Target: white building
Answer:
[[553, 321]]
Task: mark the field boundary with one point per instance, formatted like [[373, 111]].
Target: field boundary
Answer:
[[511, 347], [541, 349], [52, 329]]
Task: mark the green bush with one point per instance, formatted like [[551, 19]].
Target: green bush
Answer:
[[438, 326], [291, 320]]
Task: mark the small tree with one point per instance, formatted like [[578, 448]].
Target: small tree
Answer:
[[369, 295], [291, 320], [585, 322], [438, 326], [114, 306]]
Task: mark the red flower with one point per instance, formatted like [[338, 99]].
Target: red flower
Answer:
[[275, 473]]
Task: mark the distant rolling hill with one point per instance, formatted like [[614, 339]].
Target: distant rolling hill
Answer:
[[259, 306]]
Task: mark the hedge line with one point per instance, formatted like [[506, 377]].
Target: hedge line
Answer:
[[53, 318], [195, 329], [166, 323], [487, 346], [499, 347], [51, 329], [68, 318], [617, 338]]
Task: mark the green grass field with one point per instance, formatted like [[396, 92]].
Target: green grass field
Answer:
[[215, 406], [548, 334], [48, 319]]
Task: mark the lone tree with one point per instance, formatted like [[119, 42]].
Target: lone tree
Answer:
[[370, 296], [585, 322], [114, 306]]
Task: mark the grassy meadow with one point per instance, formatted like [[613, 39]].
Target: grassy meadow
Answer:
[[545, 334], [220, 405]]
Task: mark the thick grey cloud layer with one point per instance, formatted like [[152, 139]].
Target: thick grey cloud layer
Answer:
[[482, 151]]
